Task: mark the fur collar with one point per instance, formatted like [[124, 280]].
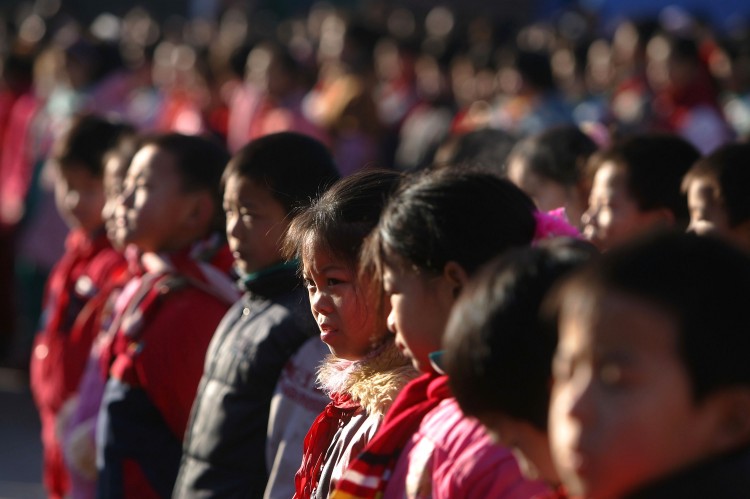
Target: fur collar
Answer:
[[374, 382]]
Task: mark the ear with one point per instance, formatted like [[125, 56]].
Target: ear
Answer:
[[455, 276], [734, 422]]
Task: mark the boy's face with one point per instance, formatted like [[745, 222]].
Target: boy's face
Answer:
[[80, 197], [707, 212], [613, 215], [622, 411], [158, 212], [256, 222]]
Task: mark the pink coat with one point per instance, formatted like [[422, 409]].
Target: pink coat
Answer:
[[452, 456]]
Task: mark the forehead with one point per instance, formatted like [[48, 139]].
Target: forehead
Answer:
[[152, 161], [612, 319], [317, 256], [702, 188], [248, 190]]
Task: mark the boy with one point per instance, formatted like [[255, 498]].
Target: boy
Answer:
[[89, 262], [172, 202], [498, 353], [651, 395], [718, 192], [636, 188], [225, 446]]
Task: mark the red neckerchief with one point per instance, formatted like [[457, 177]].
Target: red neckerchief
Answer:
[[337, 413], [368, 474]]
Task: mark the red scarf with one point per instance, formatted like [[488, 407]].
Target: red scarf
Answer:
[[337, 413], [368, 474]]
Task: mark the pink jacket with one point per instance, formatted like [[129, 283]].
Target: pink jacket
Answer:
[[451, 456]]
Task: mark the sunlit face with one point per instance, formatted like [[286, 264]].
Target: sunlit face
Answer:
[[115, 170], [622, 411], [546, 193], [529, 444], [420, 306], [80, 197], [348, 322], [613, 215], [708, 214], [156, 207], [256, 222]]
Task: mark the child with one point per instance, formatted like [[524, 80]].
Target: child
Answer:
[[718, 192], [265, 183], [637, 188], [550, 168], [170, 310], [365, 371], [498, 353], [651, 391], [65, 337], [435, 232]]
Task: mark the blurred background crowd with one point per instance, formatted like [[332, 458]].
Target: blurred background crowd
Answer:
[[382, 83]]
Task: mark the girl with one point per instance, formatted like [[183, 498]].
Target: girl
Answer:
[[365, 370], [434, 233]]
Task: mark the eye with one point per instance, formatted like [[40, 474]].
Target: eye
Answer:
[[308, 283], [611, 374], [331, 281]]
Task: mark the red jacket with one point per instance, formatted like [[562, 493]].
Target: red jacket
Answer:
[[68, 327]]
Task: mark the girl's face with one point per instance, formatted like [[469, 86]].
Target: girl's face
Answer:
[[708, 213], [546, 193], [420, 306], [348, 324], [114, 177]]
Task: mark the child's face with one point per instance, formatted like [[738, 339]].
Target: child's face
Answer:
[[622, 411], [348, 324], [420, 307], [114, 179], [255, 224], [546, 193], [613, 215], [707, 212], [158, 213], [80, 197]]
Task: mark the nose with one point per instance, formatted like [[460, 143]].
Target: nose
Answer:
[[390, 321], [128, 196], [587, 218], [320, 302], [232, 225]]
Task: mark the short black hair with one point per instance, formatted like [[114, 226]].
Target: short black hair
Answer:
[[729, 168], [655, 164], [87, 141], [296, 168], [498, 352], [486, 148], [700, 281], [559, 154]]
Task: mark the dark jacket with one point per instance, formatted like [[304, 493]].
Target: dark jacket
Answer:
[[225, 445], [724, 477]]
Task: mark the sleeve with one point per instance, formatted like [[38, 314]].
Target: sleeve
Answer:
[[174, 348]]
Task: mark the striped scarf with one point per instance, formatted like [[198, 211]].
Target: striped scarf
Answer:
[[368, 474]]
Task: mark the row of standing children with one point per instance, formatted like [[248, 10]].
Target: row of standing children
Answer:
[[434, 233]]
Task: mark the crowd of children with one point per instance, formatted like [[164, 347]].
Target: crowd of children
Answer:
[[269, 300]]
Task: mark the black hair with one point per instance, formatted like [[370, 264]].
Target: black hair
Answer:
[[342, 217], [452, 214], [199, 162], [87, 142], [729, 168], [487, 148], [702, 282], [295, 168], [498, 352], [558, 154], [655, 164]]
